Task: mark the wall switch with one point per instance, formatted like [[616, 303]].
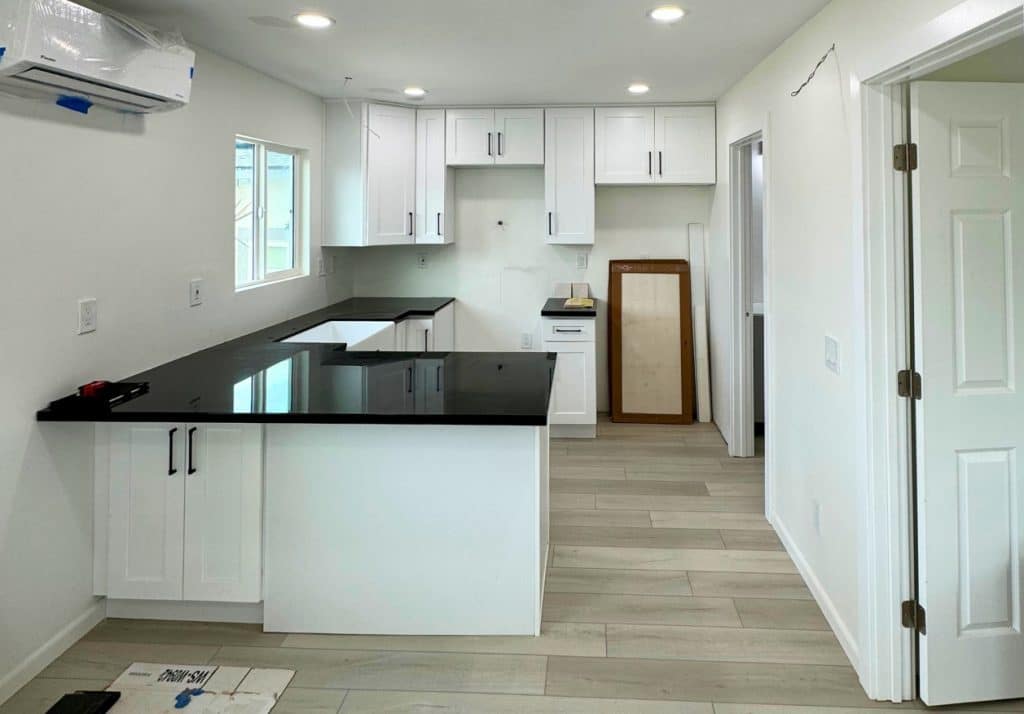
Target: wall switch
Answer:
[[195, 292], [88, 315], [421, 261], [527, 341], [832, 353], [582, 261]]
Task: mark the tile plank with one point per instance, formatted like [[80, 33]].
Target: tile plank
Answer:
[[751, 540], [635, 488], [639, 609], [592, 517], [778, 586], [705, 519], [781, 614], [409, 702], [107, 660], [743, 561], [623, 582], [296, 700], [726, 504], [571, 501], [183, 633], [637, 537]]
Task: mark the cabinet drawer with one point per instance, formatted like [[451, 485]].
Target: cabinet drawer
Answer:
[[568, 330]]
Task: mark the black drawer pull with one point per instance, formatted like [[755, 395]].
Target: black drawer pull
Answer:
[[191, 451], [171, 470]]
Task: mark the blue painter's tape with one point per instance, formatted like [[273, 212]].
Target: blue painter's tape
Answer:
[[192, 73], [75, 104], [3, 51]]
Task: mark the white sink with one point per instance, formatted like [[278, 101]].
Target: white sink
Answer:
[[360, 336]]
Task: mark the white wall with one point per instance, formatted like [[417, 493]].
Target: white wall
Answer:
[[502, 275], [814, 254], [126, 211]]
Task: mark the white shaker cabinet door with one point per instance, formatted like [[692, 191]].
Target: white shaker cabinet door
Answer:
[[435, 185], [223, 512], [684, 139], [519, 137], [624, 145], [569, 176], [146, 511], [390, 175], [470, 137]]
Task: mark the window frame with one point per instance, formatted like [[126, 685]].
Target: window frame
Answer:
[[300, 235]]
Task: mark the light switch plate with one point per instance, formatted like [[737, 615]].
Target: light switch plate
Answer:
[[527, 341], [582, 261], [88, 315], [195, 292], [832, 353]]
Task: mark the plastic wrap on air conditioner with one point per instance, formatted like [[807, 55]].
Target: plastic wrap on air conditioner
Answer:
[[95, 45]]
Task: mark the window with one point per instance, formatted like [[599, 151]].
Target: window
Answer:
[[269, 243]]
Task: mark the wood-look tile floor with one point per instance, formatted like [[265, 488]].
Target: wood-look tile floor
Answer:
[[667, 591]]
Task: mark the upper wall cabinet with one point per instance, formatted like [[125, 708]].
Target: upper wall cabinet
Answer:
[[655, 145], [435, 181], [495, 137], [569, 176], [370, 189]]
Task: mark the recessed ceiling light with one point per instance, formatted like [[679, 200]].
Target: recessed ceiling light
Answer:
[[314, 20], [667, 14], [638, 88], [415, 92]]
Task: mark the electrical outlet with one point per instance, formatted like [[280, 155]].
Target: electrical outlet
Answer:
[[321, 266], [88, 315], [582, 261], [195, 292], [421, 261], [832, 353], [527, 341]]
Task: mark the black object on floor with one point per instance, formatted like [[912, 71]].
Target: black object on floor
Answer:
[[85, 703]]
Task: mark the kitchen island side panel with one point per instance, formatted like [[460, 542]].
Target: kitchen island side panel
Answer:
[[404, 529]]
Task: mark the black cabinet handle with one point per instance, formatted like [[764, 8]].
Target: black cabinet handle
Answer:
[[489, 152], [170, 452], [650, 163], [564, 330], [191, 451], [426, 340], [439, 224], [412, 221], [438, 380], [409, 375], [661, 171], [550, 231], [500, 151]]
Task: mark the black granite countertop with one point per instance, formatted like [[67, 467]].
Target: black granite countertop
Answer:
[[256, 379], [555, 307]]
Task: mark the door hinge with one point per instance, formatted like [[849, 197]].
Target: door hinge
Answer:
[[914, 616], [904, 157], [908, 384]]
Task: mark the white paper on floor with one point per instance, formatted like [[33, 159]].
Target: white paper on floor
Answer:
[[148, 688]]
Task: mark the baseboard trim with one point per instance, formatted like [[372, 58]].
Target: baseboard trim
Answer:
[[186, 611], [574, 431], [835, 621], [50, 650]]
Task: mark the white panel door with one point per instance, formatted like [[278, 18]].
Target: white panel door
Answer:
[[969, 292], [684, 141], [569, 176], [624, 145], [575, 386], [147, 500], [431, 177], [470, 137], [390, 175], [223, 513], [519, 137]]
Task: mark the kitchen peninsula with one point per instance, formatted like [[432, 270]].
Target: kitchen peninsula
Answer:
[[294, 477]]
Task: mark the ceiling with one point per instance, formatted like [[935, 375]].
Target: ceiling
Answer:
[[1002, 63], [490, 51]]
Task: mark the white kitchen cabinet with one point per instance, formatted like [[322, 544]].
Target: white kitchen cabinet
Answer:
[[655, 145], [223, 513], [184, 512], [435, 181], [569, 176], [428, 334], [574, 393], [684, 144], [370, 170], [495, 137]]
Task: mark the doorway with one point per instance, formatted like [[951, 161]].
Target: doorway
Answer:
[[945, 281], [748, 244]]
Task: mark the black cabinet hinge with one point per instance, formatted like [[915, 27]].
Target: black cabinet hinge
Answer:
[[908, 384], [914, 616], [904, 157]]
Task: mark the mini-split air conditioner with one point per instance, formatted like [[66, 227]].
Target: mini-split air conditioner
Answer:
[[80, 57]]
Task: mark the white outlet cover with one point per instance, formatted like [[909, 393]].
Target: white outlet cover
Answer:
[[832, 353], [582, 261], [195, 292], [421, 261], [88, 315], [527, 341]]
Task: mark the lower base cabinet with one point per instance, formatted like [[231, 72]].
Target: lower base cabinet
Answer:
[[184, 512], [428, 334], [574, 397]]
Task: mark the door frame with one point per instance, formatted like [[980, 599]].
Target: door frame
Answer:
[[742, 443], [887, 509]]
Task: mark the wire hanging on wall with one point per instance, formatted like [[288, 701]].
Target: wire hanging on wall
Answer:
[[824, 57]]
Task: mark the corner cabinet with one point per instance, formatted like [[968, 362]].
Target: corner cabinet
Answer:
[[183, 512], [655, 145], [370, 175], [495, 137], [569, 176]]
